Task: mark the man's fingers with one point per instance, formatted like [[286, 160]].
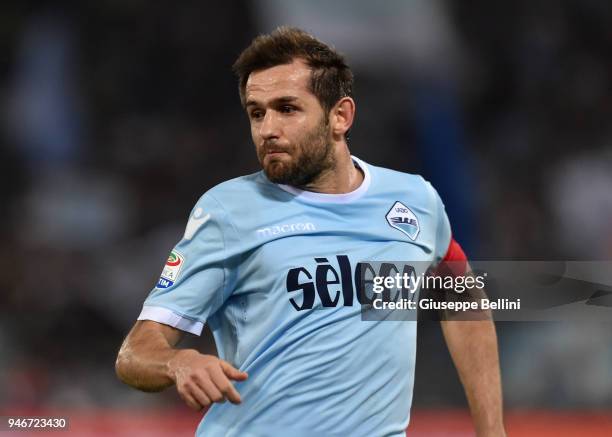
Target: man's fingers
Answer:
[[211, 390], [200, 395], [210, 382], [225, 386], [231, 372], [190, 400]]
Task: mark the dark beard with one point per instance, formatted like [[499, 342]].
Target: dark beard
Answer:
[[315, 156]]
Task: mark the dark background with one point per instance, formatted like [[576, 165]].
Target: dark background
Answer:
[[117, 116]]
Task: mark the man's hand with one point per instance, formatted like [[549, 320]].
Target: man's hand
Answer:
[[149, 361], [203, 379]]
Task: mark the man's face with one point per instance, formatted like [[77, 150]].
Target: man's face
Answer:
[[289, 127]]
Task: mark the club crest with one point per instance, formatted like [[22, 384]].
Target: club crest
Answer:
[[403, 219]]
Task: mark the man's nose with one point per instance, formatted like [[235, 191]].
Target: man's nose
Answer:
[[270, 126]]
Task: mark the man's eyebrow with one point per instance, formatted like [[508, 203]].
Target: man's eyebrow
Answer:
[[278, 100], [285, 99]]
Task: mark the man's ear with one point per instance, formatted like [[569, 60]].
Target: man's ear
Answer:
[[341, 117]]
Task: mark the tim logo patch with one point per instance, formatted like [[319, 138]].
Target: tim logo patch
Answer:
[[403, 219], [171, 270]]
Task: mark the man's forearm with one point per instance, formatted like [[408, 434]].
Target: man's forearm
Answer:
[[143, 361], [149, 361], [473, 348]]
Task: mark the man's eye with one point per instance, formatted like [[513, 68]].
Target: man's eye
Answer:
[[256, 114], [287, 109]]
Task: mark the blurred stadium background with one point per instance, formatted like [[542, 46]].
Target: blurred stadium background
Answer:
[[117, 115]]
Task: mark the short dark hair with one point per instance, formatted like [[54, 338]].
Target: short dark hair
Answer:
[[331, 77]]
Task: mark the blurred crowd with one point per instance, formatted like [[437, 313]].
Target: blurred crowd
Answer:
[[117, 116]]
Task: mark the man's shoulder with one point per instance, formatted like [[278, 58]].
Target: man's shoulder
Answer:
[[395, 184], [247, 183], [390, 178], [241, 192]]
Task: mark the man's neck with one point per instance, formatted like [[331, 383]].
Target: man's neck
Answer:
[[343, 178]]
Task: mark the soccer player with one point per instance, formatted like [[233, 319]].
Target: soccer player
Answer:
[[269, 261]]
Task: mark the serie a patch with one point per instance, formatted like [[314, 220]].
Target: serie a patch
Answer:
[[171, 270]]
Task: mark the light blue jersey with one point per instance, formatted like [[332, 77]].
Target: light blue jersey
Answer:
[[271, 269]]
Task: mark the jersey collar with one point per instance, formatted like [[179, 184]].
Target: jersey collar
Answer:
[[312, 197]]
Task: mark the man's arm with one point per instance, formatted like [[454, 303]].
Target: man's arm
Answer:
[[472, 343], [473, 348], [149, 361]]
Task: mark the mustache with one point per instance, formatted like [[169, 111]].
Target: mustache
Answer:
[[273, 146]]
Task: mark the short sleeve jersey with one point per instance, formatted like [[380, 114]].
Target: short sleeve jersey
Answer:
[[272, 270]]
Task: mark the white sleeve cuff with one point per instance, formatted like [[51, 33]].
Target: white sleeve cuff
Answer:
[[170, 318]]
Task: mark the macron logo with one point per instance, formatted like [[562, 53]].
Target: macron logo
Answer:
[[195, 222], [285, 229]]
